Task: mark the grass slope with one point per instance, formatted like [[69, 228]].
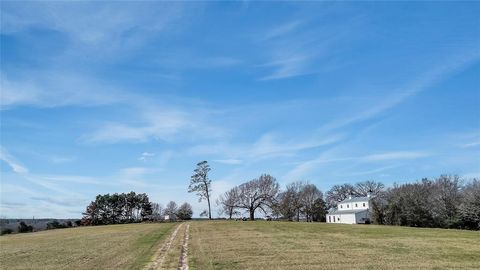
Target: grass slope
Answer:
[[128, 246], [284, 245]]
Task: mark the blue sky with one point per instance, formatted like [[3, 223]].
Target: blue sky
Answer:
[[113, 97]]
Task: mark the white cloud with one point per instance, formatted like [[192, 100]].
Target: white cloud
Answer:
[[423, 82], [267, 146], [12, 162], [471, 144], [395, 156], [328, 157], [367, 172], [93, 24], [160, 123], [281, 30], [145, 156], [229, 161], [55, 88], [291, 51]]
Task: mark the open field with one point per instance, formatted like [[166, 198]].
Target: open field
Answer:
[[242, 245], [102, 247], [283, 245]]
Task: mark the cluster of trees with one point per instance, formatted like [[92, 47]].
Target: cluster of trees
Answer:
[[339, 193], [117, 208], [184, 212], [443, 202], [300, 199], [24, 228], [54, 224], [129, 208]]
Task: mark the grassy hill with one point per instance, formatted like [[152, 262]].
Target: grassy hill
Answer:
[[102, 247], [245, 245], [283, 245]]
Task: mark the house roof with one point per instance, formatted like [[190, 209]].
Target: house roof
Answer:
[[336, 211], [356, 199]]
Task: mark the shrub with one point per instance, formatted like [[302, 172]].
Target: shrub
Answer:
[[23, 228], [6, 231]]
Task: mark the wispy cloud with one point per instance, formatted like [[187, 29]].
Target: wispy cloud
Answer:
[[155, 122], [425, 81], [229, 161], [145, 156], [328, 157], [99, 23], [296, 49], [282, 29], [267, 146], [471, 144], [367, 172], [395, 156], [55, 88], [12, 162]]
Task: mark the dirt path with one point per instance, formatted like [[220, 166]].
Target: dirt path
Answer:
[[163, 251], [183, 262]]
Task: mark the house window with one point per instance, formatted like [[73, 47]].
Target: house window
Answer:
[[338, 218], [348, 205], [329, 219], [356, 205], [363, 204], [341, 206]]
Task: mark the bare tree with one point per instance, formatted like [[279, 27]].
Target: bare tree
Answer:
[[156, 211], [283, 205], [294, 191], [201, 184], [370, 186], [470, 207], [227, 201], [338, 193], [171, 210], [257, 193], [309, 194]]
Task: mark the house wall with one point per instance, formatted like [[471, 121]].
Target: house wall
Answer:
[[341, 218], [347, 218], [353, 205]]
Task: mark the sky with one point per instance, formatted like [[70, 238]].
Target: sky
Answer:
[[112, 97]]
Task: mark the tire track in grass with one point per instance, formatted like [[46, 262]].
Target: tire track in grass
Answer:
[[183, 261], [163, 251]]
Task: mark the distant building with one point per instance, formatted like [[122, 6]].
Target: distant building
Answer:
[[167, 217], [354, 210]]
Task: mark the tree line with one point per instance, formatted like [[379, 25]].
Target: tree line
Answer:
[[299, 200], [443, 202], [131, 207]]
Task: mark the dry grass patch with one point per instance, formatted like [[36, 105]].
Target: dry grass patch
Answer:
[[284, 245], [128, 246]]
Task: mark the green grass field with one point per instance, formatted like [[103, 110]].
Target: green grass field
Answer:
[[283, 245], [102, 247], [244, 245]]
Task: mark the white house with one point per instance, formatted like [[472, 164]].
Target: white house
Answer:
[[353, 210]]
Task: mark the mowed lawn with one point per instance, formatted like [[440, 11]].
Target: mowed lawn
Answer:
[[129, 246], [287, 245]]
